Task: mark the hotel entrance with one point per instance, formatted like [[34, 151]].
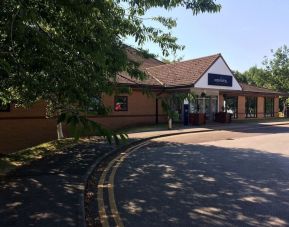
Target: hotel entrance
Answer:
[[211, 107], [207, 105]]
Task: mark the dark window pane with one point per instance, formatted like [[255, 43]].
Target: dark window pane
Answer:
[[95, 103], [251, 107], [120, 103], [232, 105], [269, 107]]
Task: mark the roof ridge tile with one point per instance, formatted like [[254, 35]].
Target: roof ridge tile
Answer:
[[189, 60]]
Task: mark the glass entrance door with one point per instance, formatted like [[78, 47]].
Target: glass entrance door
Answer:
[[208, 108], [207, 105], [211, 107], [214, 107]]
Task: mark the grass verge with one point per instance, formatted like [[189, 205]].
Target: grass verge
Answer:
[[9, 162]]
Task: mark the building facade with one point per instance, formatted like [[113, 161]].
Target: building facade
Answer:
[[209, 78], [215, 86]]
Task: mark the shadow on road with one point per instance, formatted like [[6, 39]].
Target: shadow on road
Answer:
[[252, 128], [47, 192], [173, 184]]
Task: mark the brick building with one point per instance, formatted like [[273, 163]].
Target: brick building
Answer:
[[209, 78]]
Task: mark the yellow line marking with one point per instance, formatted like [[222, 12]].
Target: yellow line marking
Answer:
[[111, 196], [112, 203], [101, 207]]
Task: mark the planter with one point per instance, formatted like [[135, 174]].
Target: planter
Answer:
[[223, 117], [197, 118]]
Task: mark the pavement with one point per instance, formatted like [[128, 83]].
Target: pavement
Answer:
[[49, 192], [177, 129], [233, 177]]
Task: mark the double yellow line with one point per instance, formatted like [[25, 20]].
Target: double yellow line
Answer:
[[112, 167]]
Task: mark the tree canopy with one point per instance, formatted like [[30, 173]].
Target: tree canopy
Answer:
[[277, 69], [273, 75], [67, 52], [255, 76]]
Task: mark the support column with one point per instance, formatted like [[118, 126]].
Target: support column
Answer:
[[221, 103], [260, 107], [241, 107], [276, 106]]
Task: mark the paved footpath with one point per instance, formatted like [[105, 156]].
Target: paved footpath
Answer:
[[49, 191], [205, 128]]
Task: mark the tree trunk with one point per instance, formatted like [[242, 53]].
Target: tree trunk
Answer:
[[59, 128], [170, 123], [59, 131], [284, 107]]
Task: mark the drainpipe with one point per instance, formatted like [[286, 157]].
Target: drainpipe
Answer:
[[157, 111]]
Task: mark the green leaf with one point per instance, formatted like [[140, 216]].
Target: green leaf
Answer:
[[66, 53]]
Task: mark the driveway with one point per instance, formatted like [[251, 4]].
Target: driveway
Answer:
[[222, 178]]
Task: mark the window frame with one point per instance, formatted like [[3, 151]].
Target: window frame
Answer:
[[255, 113], [270, 113], [115, 102], [235, 114]]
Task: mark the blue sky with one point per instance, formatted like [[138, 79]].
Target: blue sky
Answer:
[[243, 32]]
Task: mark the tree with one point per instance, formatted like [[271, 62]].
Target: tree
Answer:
[[274, 75], [241, 77], [278, 70], [69, 52], [254, 76]]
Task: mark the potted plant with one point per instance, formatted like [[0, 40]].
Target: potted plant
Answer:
[[223, 116], [197, 118]]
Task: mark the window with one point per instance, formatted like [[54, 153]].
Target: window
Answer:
[[251, 107], [120, 103], [232, 105], [197, 106], [205, 104], [269, 107], [95, 104], [4, 107]]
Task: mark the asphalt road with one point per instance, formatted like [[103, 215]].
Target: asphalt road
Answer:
[[221, 178]]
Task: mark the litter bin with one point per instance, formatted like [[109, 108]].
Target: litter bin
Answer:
[[186, 114]]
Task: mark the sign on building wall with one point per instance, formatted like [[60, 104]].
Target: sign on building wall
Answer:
[[220, 80]]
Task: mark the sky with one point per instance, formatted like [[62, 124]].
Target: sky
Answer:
[[243, 31]]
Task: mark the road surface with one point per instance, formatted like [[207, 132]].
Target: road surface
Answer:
[[220, 178]]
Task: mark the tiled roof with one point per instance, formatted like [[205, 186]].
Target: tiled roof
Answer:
[[252, 88], [170, 75], [135, 55], [182, 73], [145, 62], [124, 78], [185, 73]]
